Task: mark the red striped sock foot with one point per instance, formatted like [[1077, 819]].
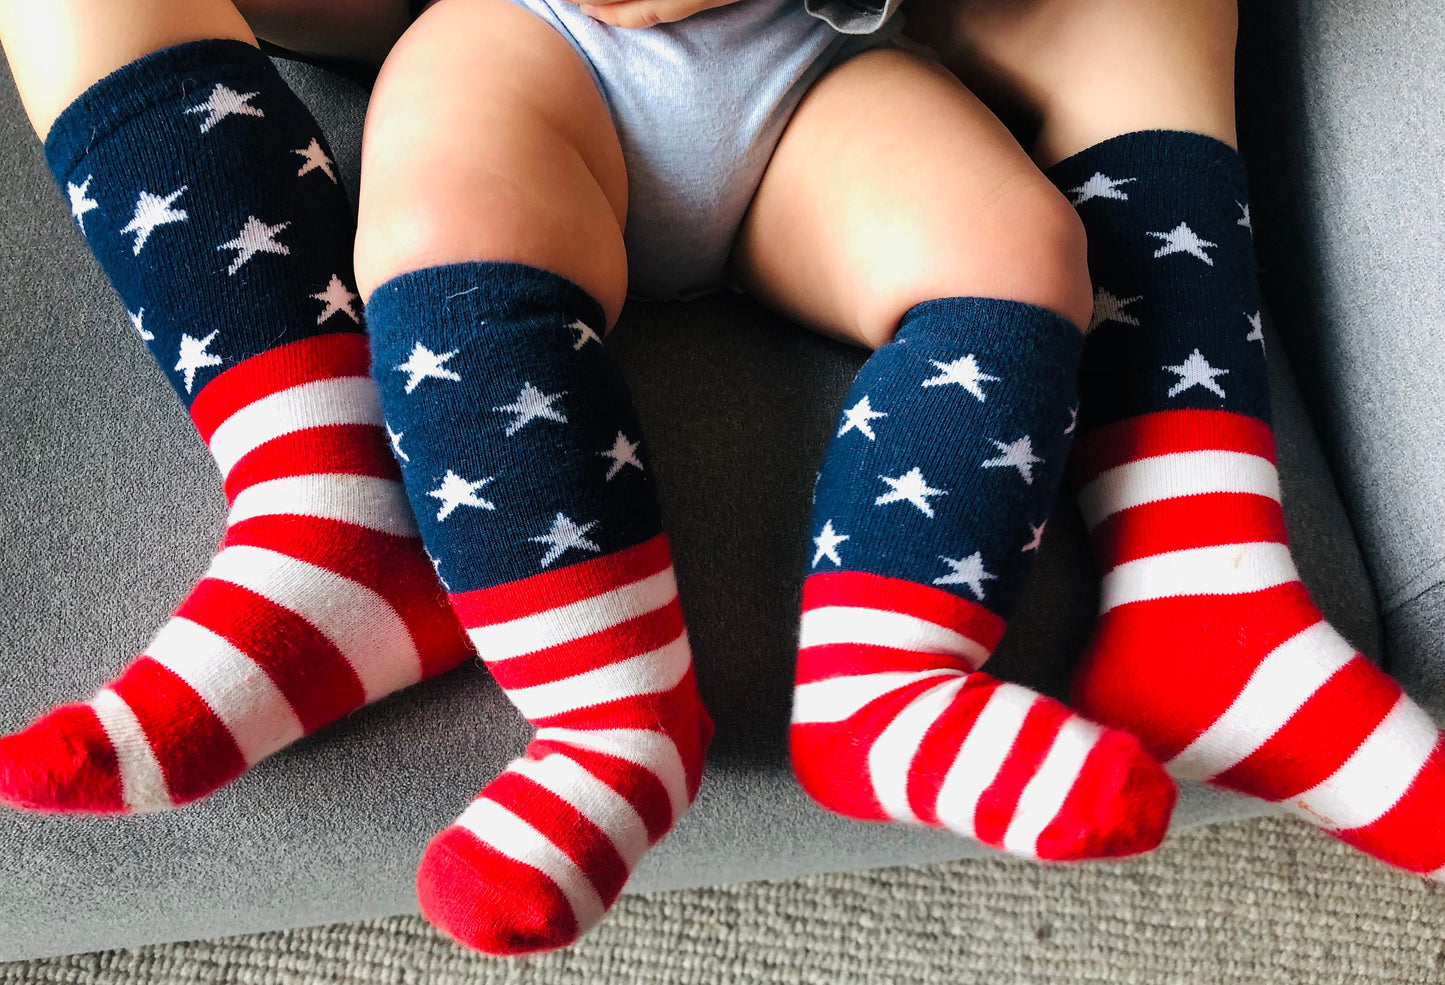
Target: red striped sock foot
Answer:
[[893, 722], [596, 656], [1210, 650], [320, 601]]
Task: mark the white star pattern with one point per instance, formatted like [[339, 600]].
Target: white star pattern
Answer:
[[1108, 308], [316, 160], [152, 211], [80, 201], [223, 102], [910, 487], [1100, 185], [968, 571], [1038, 537], [1196, 371], [1073, 419], [584, 334], [137, 321], [964, 371], [531, 404], [424, 364], [1182, 239], [1015, 455], [1256, 333], [827, 543], [337, 300], [255, 237], [1244, 219], [455, 491], [193, 356], [858, 417], [395, 438], [564, 536], [622, 452]]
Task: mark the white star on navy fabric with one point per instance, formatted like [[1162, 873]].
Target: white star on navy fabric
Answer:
[[193, 356], [152, 211], [1015, 455], [316, 160], [1182, 239], [1244, 219], [564, 536], [456, 491], [255, 237], [531, 404], [964, 371], [858, 417], [968, 571], [223, 102], [827, 542], [910, 487], [1100, 185], [1196, 371], [137, 321], [80, 201], [1073, 419], [1256, 333], [337, 300], [395, 438], [1038, 537], [1109, 308], [622, 452], [584, 334], [424, 364]]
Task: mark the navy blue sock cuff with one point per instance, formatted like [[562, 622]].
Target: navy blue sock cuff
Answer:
[[1154, 148]]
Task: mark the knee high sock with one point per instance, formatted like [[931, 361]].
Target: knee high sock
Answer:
[[927, 514], [207, 193], [533, 489], [1208, 647]]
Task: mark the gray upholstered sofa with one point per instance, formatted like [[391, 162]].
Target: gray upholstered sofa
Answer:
[[109, 508]]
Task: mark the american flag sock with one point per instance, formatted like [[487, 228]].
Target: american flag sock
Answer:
[[534, 492], [207, 193], [1208, 647], [929, 509]]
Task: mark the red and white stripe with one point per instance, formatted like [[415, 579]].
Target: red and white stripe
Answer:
[[596, 656], [893, 722], [1210, 650], [320, 600]]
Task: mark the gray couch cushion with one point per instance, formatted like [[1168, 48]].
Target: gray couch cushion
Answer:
[[111, 509]]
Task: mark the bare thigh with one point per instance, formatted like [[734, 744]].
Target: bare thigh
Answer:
[[486, 139], [894, 185]]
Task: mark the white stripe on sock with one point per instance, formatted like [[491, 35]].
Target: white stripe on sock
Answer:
[[653, 751], [1161, 477], [647, 673], [1226, 569], [519, 637], [981, 756], [593, 799], [1044, 795], [492, 824], [243, 697], [142, 781], [377, 504], [339, 400], [358, 621], [1289, 675], [890, 758], [838, 698], [1376, 775], [879, 627]]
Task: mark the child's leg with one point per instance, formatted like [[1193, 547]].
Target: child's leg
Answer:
[[490, 247], [189, 172], [1209, 648], [928, 220]]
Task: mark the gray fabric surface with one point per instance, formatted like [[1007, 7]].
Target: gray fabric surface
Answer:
[[111, 508], [1352, 222], [1265, 901]]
